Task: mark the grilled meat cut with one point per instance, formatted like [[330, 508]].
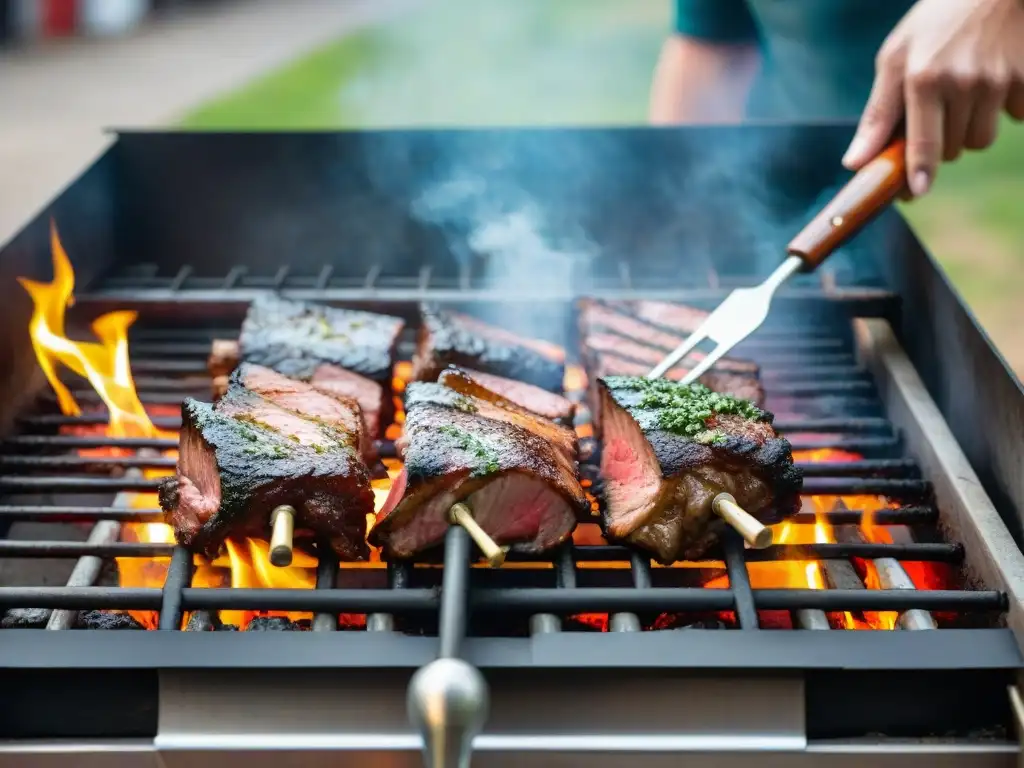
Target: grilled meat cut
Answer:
[[515, 470], [246, 456], [450, 338], [669, 449], [678, 318], [616, 342], [609, 327], [341, 351], [551, 406], [308, 401]]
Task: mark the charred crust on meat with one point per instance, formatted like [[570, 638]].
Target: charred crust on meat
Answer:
[[454, 452], [700, 443], [445, 339], [236, 469], [295, 337]]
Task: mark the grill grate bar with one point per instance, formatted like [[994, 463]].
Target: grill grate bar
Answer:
[[179, 576], [76, 442], [323, 279], [82, 598], [80, 514], [923, 552], [640, 573], [739, 581], [280, 277], [235, 274], [910, 515], [179, 279], [88, 462], [326, 578], [529, 600]]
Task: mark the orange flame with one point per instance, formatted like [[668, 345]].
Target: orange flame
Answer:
[[105, 365]]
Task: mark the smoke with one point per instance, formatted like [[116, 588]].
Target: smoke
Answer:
[[504, 242], [507, 239], [535, 218]]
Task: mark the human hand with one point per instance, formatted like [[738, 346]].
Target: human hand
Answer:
[[947, 71]]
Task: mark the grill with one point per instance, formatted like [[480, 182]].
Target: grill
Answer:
[[778, 672]]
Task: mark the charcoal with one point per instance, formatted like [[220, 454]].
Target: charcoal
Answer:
[[272, 624], [107, 620], [25, 618]]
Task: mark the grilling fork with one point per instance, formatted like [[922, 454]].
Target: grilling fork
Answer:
[[873, 187]]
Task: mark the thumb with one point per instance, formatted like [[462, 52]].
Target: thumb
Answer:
[[882, 114]]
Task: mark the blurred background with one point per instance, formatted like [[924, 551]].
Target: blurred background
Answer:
[[70, 68]]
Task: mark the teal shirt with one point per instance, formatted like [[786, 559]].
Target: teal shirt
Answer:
[[818, 56]]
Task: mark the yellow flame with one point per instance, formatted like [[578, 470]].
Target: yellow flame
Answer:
[[251, 568], [105, 364]]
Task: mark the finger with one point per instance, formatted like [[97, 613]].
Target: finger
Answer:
[[983, 127], [925, 122], [958, 107], [1015, 101], [881, 115]]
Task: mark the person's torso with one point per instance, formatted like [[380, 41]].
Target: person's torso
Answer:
[[818, 56]]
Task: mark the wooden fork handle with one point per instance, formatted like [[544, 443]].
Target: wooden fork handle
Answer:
[[872, 188]]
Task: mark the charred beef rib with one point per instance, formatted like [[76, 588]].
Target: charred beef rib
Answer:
[[668, 449], [341, 351], [549, 405], [616, 342], [246, 456], [335, 410], [515, 470], [450, 338]]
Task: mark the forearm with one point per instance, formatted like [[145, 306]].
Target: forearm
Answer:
[[698, 82]]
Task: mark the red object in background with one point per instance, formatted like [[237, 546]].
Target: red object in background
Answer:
[[59, 17]]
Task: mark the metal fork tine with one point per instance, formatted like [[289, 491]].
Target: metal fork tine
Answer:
[[701, 368], [681, 351]]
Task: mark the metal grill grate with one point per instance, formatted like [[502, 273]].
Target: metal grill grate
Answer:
[[824, 399]]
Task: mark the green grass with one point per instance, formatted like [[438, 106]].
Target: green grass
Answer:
[[544, 62], [465, 62]]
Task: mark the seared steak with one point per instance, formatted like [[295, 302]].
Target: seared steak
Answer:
[[240, 460], [679, 318], [601, 319], [669, 449], [517, 474], [616, 343], [553, 407], [345, 352], [311, 402], [449, 338]]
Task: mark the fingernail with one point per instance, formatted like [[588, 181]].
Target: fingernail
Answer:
[[920, 182], [855, 150]]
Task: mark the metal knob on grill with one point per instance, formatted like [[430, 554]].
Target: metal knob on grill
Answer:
[[448, 702]]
